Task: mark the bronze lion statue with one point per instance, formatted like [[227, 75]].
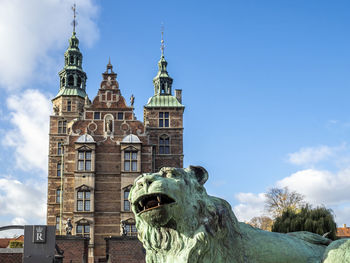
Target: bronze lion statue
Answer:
[[179, 222]]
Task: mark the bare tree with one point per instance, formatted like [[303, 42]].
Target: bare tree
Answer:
[[262, 222], [280, 199]]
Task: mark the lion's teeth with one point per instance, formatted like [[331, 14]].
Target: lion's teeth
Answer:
[[159, 199], [140, 204]]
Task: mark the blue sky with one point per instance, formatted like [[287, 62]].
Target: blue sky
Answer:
[[265, 83]]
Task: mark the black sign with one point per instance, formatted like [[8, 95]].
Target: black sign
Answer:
[[39, 234], [39, 244]]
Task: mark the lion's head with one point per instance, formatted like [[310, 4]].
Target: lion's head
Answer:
[[174, 213]]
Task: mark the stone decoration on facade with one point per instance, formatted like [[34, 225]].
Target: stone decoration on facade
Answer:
[[178, 221]]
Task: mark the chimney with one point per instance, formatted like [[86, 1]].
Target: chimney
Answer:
[[344, 225], [178, 95]]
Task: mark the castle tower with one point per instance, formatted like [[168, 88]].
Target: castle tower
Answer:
[[163, 119]]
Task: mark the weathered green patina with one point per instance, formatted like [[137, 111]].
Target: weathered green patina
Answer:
[[178, 221]]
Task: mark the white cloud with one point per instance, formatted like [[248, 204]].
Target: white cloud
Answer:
[[22, 201], [30, 29], [29, 113], [311, 155], [250, 205], [320, 187]]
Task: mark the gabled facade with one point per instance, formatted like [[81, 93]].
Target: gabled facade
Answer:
[[97, 148]]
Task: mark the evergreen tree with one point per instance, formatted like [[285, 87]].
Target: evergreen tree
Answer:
[[319, 220]]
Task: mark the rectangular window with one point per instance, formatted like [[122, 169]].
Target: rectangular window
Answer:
[[60, 149], [69, 105], [163, 119], [130, 161], [83, 201], [164, 145], [130, 229], [59, 167], [120, 116], [126, 200], [62, 127], [84, 160], [97, 115], [83, 230], [58, 196]]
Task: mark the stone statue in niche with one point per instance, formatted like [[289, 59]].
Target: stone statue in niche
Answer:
[[109, 81], [109, 125], [69, 227], [177, 221]]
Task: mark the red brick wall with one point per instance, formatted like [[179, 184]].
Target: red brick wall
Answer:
[[75, 248], [125, 250], [14, 257]]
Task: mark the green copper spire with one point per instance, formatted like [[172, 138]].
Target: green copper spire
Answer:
[[72, 76], [162, 86], [162, 82]]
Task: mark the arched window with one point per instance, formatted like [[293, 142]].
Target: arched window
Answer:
[[83, 230], [79, 82], [71, 58], [59, 169], [84, 160], [126, 200], [70, 80], [63, 81], [83, 200], [164, 144], [162, 88]]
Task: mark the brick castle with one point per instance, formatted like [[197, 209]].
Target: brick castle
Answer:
[[97, 148]]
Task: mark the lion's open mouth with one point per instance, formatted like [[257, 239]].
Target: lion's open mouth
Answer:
[[152, 201]]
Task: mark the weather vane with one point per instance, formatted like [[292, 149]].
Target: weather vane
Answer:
[[74, 23], [162, 41]]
